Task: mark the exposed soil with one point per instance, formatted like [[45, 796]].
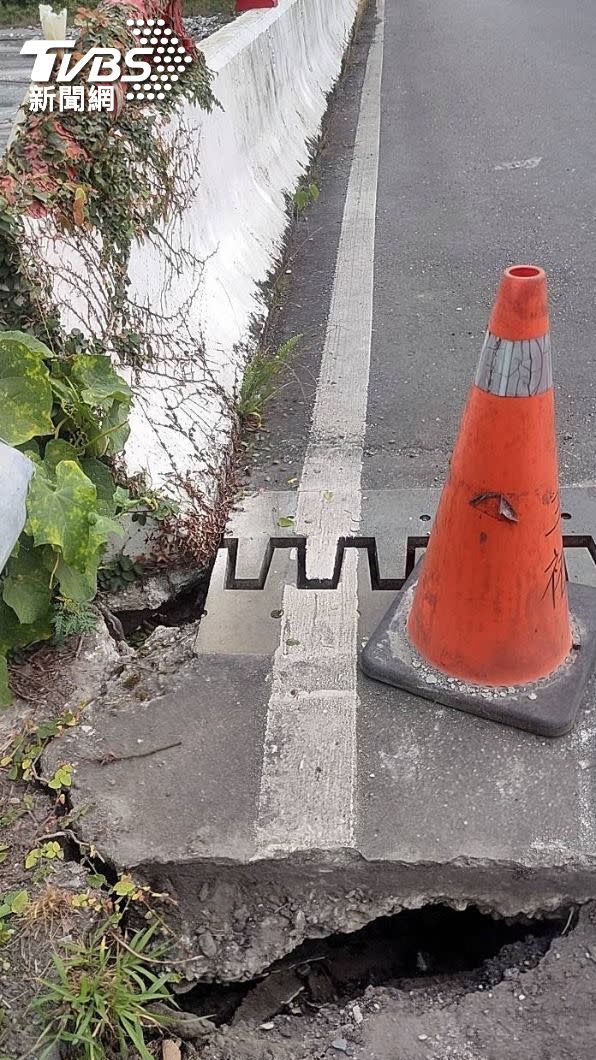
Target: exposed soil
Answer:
[[47, 682], [28, 816], [201, 26], [430, 943]]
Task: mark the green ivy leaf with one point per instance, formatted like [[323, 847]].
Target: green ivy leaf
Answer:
[[80, 586], [30, 449], [101, 477], [19, 902], [125, 887], [25, 391], [27, 585], [115, 429], [32, 858], [97, 879], [58, 513], [15, 634], [117, 423], [58, 450], [62, 778], [102, 529], [52, 850], [99, 383], [17, 339]]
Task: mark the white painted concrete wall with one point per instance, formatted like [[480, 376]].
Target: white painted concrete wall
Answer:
[[273, 71]]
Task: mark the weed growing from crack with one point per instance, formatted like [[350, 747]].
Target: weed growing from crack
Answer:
[[119, 573], [306, 194], [71, 618], [21, 753], [12, 905], [101, 997], [261, 382]]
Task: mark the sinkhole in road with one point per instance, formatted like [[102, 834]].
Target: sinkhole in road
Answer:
[[181, 609], [434, 945]]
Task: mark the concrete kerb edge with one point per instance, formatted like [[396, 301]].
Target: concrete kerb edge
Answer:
[[262, 911]]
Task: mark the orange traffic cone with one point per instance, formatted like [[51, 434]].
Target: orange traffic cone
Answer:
[[484, 623]]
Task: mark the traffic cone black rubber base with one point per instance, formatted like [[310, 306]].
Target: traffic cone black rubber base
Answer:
[[547, 708]]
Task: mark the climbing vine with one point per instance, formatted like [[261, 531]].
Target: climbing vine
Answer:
[[116, 176], [92, 184], [86, 200]]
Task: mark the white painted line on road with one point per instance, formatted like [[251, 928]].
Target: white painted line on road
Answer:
[[309, 767]]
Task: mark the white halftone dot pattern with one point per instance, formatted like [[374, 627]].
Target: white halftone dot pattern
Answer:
[[166, 49]]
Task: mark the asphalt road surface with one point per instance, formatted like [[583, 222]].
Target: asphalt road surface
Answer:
[[486, 158]]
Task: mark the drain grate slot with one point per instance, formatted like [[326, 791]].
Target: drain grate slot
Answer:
[[368, 546]]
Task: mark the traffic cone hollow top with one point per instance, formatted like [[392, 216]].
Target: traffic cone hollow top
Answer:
[[488, 605]]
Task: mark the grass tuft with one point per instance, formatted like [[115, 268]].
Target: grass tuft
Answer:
[[261, 382], [99, 1002], [49, 909]]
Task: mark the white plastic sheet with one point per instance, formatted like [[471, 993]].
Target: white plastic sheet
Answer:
[[15, 475]]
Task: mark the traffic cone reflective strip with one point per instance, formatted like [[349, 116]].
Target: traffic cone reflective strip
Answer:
[[519, 368]]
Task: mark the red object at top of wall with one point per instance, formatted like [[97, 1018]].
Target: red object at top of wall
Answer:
[[252, 5]]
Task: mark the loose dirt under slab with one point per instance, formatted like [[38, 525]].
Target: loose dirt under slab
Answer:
[[538, 1010], [467, 948]]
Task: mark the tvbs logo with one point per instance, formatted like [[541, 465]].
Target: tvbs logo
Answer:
[[149, 70]]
